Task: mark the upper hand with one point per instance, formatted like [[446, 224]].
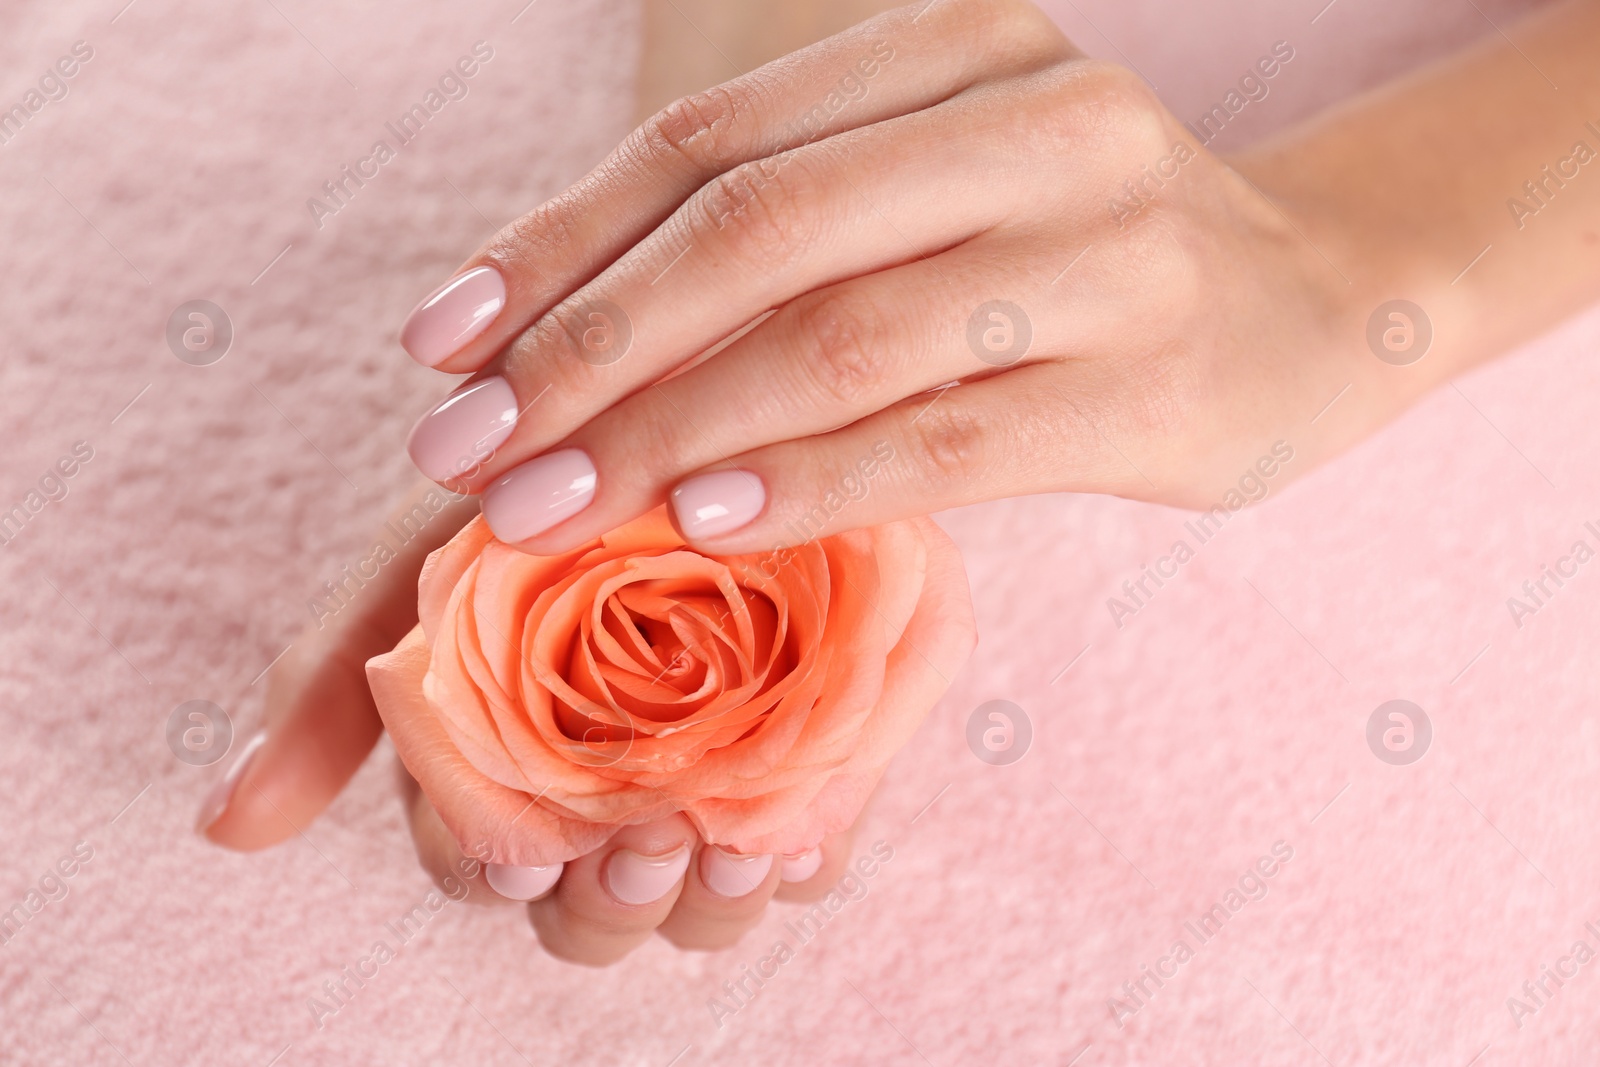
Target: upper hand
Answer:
[[948, 193]]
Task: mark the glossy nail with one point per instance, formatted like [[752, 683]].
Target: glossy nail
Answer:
[[730, 875], [221, 794], [717, 503], [461, 433], [802, 867], [539, 494], [521, 883], [452, 315], [636, 879]]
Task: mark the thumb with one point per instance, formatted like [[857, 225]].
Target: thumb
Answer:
[[320, 720]]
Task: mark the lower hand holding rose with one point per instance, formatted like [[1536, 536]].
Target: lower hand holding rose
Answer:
[[543, 702]]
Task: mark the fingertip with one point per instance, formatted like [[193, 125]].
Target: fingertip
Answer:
[[715, 503], [809, 876], [802, 867], [611, 900], [731, 875], [522, 883], [635, 879], [235, 814], [448, 319]]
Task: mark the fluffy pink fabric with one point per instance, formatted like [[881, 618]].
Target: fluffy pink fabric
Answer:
[[1226, 716]]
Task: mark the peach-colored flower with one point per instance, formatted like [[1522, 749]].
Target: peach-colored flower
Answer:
[[544, 701]]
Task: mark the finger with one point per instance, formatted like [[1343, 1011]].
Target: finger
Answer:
[[1020, 432], [723, 896], [611, 900], [900, 62], [320, 720], [810, 875], [751, 240], [461, 876], [821, 362]]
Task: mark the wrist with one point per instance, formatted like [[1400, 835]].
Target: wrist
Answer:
[[1404, 308]]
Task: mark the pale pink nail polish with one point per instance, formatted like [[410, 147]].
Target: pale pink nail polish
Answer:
[[521, 883], [452, 315], [463, 431], [539, 494], [802, 867], [730, 875], [216, 801], [717, 503], [636, 879]]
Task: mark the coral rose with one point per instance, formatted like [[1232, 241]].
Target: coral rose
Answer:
[[544, 701]]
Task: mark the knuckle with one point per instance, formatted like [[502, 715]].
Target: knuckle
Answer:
[[1027, 28], [842, 343], [547, 353], [566, 329], [1100, 106], [543, 360], [1006, 27], [542, 236], [763, 211], [703, 129], [952, 447], [1117, 87], [661, 443], [1001, 37], [1163, 255]]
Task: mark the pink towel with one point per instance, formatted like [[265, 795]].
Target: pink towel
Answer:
[[1201, 857]]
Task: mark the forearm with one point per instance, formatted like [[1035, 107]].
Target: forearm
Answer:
[[1403, 188]]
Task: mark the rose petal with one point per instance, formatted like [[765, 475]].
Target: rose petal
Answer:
[[488, 820], [544, 701]]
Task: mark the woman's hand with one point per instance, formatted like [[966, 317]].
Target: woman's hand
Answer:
[[951, 193], [657, 877], [321, 723], [947, 193], [882, 191]]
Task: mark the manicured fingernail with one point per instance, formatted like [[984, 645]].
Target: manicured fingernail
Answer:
[[539, 494], [216, 801], [717, 503], [802, 867], [636, 879], [521, 883], [464, 430], [452, 315], [729, 875]]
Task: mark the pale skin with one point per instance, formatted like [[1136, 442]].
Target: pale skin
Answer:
[[1172, 345]]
